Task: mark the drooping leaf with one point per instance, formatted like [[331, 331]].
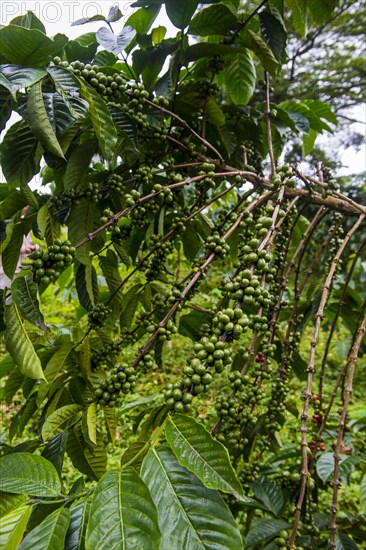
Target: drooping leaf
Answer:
[[240, 77], [87, 285], [39, 122], [214, 20], [91, 463], [200, 453], [188, 511], [26, 473], [83, 219], [29, 20], [83, 20], [12, 527], [89, 424], [19, 156], [54, 451], [111, 423], [254, 42], [24, 292], [263, 530], [19, 345], [269, 492], [52, 369], [76, 170], [115, 43], [273, 31], [129, 304], [50, 533], [101, 120], [180, 13], [22, 417], [29, 47], [123, 513], [79, 515], [15, 77], [57, 421], [142, 19], [10, 256]]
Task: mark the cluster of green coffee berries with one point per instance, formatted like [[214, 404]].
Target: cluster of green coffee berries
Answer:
[[216, 64], [107, 354], [207, 169], [111, 86], [208, 88], [253, 157], [92, 191], [146, 363], [115, 183], [48, 265], [281, 540], [164, 333], [64, 199], [178, 398], [121, 381], [283, 173], [165, 195], [215, 243], [98, 315]]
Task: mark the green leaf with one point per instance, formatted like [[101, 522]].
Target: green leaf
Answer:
[[57, 421], [269, 492], [240, 77], [325, 466], [264, 529], [19, 155], [19, 345], [111, 423], [83, 20], [142, 19], [363, 493], [24, 292], [83, 219], [16, 77], [12, 527], [124, 123], [207, 49], [109, 265], [87, 286], [29, 20], [200, 453], [190, 324], [344, 542], [22, 417], [214, 20], [77, 167], [305, 110], [10, 257], [254, 42], [25, 473], [158, 35], [124, 515], [75, 51], [9, 502], [90, 462], [29, 46], [79, 515], [89, 424], [299, 15], [214, 113], [135, 453], [129, 304], [320, 12], [54, 451], [188, 511], [180, 13], [39, 121], [321, 109], [6, 106], [101, 120], [52, 369], [50, 534], [273, 31], [308, 141], [115, 43]]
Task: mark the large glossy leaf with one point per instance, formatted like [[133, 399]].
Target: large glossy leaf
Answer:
[[54, 451], [124, 123], [199, 452], [180, 13], [52, 369], [253, 41], [12, 527], [19, 155], [115, 43], [61, 417], [79, 515], [76, 170], [190, 515], [90, 462], [123, 514], [9, 502], [10, 256], [142, 19], [89, 424], [25, 473], [273, 31], [264, 529], [19, 345], [19, 76], [24, 293], [214, 20], [29, 46], [50, 533], [101, 119], [269, 492], [39, 122], [29, 20], [6, 106], [240, 77]]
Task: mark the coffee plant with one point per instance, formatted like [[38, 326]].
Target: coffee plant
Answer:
[[181, 349]]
